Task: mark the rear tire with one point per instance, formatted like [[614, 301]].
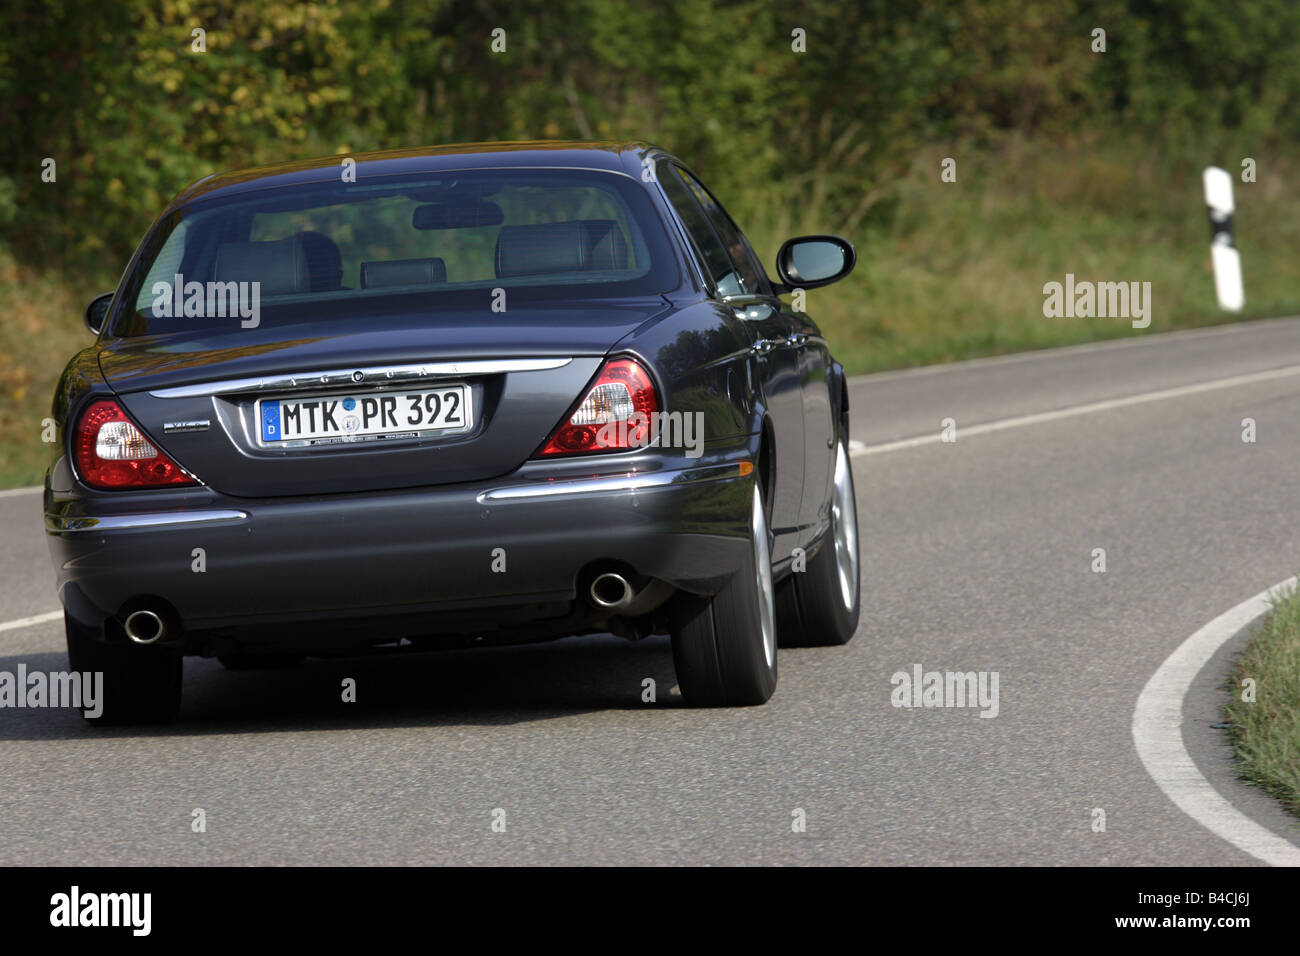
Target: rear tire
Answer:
[[140, 684], [724, 649], [820, 606]]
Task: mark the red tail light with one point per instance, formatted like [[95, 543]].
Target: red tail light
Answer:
[[617, 413], [112, 453]]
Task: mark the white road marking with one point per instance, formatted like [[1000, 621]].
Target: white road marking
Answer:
[[1075, 410], [31, 621], [1157, 732], [1106, 345], [31, 489]]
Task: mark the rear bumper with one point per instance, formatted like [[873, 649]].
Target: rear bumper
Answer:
[[527, 539]]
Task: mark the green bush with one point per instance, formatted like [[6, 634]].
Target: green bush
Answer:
[[116, 95]]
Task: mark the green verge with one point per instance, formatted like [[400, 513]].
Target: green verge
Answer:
[[952, 271], [41, 327], [1266, 733]]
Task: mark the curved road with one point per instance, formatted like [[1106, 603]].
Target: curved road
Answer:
[[977, 556]]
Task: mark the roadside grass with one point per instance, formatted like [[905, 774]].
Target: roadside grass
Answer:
[[41, 328], [1266, 733], [950, 271], [946, 271]]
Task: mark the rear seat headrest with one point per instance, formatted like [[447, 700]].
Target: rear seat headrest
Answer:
[[538, 249], [279, 266], [572, 246], [390, 272]]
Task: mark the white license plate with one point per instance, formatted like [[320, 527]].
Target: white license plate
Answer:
[[326, 419]]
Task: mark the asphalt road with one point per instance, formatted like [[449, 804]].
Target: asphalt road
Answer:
[[977, 556]]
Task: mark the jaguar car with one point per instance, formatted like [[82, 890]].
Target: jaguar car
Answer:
[[447, 397]]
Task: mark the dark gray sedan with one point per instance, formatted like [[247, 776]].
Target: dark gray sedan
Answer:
[[442, 397]]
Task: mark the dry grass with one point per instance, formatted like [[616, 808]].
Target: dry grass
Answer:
[[956, 270], [40, 329]]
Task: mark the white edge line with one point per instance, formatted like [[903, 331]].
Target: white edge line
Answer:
[[1059, 351], [31, 621], [1158, 735], [1102, 406], [30, 489]]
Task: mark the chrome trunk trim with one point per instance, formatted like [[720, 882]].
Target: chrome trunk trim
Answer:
[[367, 377]]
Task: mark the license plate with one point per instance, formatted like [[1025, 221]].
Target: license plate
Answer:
[[367, 416]]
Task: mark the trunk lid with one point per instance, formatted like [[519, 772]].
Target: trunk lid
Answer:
[[516, 372]]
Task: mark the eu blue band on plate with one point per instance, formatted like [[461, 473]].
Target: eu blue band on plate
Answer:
[[271, 421]]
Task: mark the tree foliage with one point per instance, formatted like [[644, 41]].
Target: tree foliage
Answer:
[[117, 95]]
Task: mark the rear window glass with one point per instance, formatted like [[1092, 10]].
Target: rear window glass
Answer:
[[455, 240]]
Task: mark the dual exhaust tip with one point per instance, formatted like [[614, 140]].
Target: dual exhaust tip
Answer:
[[627, 594], [611, 591], [145, 627]]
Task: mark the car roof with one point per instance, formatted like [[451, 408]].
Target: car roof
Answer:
[[622, 157]]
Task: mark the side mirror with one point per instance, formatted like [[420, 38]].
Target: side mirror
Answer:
[[807, 262], [97, 311]]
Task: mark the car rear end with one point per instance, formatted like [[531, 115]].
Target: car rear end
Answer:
[[414, 411]]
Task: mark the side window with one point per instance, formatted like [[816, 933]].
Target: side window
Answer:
[[713, 254], [165, 265], [736, 245]]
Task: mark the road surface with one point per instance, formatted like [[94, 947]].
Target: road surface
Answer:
[[977, 556]]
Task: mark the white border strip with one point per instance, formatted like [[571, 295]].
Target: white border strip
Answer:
[[1158, 735], [1102, 406], [31, 489], [1062, 351], [30, 621]]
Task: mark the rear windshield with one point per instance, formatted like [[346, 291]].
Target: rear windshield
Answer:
[[483, 239]]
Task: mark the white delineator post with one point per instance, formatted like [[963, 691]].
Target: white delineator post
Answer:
[[1223, 254]]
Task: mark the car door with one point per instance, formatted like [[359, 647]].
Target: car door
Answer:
[[806, 348], [818, 418], [737, 286]]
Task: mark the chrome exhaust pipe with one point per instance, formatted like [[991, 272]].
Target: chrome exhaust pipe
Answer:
[[611, 590], [144, 627]]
